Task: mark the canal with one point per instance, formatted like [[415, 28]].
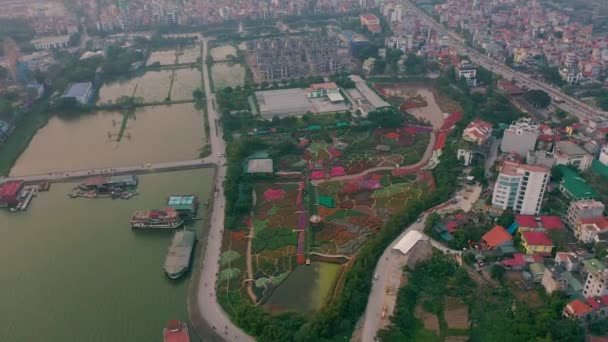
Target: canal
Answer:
[[75, 271]]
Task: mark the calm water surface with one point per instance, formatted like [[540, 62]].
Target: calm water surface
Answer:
[[73, 270], [154, 134]]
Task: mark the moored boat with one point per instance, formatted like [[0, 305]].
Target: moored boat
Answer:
[[164, 219], [176, 331], [178, 257]]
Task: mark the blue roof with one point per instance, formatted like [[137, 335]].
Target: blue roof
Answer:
[[78, 89], [513, 227]]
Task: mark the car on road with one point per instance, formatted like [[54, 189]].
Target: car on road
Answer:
[[376, 276], [148, 165]]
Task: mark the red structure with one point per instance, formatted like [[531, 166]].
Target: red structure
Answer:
[[10, 191]]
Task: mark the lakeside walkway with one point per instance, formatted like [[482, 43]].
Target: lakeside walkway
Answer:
[[66, 176]]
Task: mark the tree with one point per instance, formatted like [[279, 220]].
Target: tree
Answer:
[[538, 98], [602, 100], [497, 272], [386, 118], [506, 219]]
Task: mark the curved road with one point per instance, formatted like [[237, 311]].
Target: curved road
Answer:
[[207, 305], [391, 262]]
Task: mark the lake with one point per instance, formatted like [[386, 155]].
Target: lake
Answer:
[[154, 134], [306, 288], [74, 270]]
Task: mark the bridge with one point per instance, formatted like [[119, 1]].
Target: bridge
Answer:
[[72, 175]]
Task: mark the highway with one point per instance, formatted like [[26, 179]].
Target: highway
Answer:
[[570, 104], [208, 307], [383, 292]]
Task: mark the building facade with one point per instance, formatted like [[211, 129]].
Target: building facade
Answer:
[[584, 209], [520, 187], [596, 284]]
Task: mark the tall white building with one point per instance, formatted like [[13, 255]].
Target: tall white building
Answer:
[[520, 187], [604, 155], [596, 284]]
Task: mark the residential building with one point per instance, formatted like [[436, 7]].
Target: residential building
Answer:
[[371, 22], [530, 223], [5, 130], [584, 209], [603, 158], [558, 278], [48, 43], [596, 284], [569, 153], [465, 155], [570, 261], [520, 137], [478, 131], [573, 186], [536, 242], [467, 71], [536, 270], [591, 266], [368, 65], [520, 260], [543, 158], [588, 230], [322, 89], [520, 187], [81, 92], [496, 237], [577, 310]]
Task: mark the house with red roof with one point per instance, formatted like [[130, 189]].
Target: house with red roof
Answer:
[[531, 223], [536, 242], [577, 310], [478, 131], [520, 260], [591, 229], [371, 22], [496, 237], [587, 310]]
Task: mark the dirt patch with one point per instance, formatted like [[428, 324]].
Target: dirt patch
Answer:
[[430, 321], [456, 314], [522, 291]]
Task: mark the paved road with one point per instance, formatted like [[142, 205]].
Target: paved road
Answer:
[[392, 262], [208, 306], [570, 105], [134, 169]]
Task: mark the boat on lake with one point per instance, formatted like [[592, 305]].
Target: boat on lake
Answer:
[[178, 257], [157, 219], [176, 331]]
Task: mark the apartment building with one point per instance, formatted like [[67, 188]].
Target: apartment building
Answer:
[[596, 284], [520, 137], [520, 187], [584, 209]]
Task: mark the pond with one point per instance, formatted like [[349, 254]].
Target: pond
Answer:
[[227, 75], [153, 86], [306, 288], [189, 55], [185, 81], [221, 52], [166, 57], [76, 271], [153, 134]]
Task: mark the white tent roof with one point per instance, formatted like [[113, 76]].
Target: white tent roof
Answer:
[[408, 241]]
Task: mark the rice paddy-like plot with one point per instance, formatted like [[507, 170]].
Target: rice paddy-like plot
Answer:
[[222, 52], [185, 82], [227, 75], [153, 86], [189, 55], [166, 57]]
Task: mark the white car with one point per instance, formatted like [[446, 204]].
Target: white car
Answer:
[[376, 276]]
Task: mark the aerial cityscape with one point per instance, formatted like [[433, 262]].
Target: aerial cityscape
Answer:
[[304, 170]]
